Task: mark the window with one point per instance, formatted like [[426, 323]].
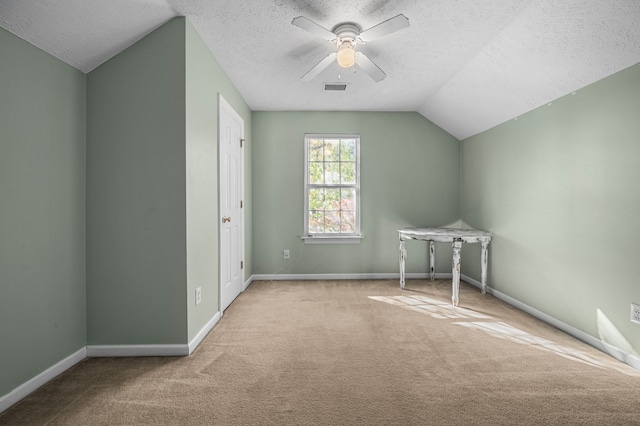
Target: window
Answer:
[[332, 188]]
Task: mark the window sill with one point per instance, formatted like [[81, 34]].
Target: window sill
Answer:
[[351, 239]]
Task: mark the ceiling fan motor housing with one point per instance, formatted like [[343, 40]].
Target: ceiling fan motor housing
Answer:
[[347, 30]]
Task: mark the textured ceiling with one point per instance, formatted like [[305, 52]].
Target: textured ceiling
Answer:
[[466, 65]]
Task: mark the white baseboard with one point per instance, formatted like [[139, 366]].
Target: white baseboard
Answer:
[[41, 379], [471, 281], [96, 351], [193, 344], [99, 351], [247, 283], [629, 359], [362, 276], [570, 330]]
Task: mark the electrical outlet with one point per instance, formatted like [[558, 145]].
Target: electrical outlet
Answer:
[[635, 313], [285, 254], [198, 295]]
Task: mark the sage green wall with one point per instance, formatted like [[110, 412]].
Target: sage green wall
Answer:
[[409, 177], [559, 188], [204, 80], [42, 211], [136, 192]]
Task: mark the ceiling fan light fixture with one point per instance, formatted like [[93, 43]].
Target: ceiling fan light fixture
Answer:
[[346, 54]]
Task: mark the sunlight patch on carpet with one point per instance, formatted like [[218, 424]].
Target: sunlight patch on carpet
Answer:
[[437, 309], [505, 331]]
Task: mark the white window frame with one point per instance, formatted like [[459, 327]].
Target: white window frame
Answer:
[[331, 238]]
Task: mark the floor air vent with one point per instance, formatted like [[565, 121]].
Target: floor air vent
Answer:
[[334, 87]]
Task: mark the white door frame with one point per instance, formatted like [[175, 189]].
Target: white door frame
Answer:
[[222, 103]]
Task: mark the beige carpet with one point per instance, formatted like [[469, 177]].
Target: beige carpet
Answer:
[[353, 353]]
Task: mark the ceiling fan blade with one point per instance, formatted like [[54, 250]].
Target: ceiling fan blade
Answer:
[[387, 27], [320, 66], [313, 28], [369, 67]]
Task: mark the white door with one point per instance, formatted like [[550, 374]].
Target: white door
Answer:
[[230, 198]]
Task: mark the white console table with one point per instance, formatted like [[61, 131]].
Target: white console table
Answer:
[[446, 235]]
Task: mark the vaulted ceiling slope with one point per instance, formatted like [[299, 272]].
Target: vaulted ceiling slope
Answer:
[[466, 65]]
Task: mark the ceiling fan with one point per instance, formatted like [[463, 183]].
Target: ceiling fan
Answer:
[[347, 36]]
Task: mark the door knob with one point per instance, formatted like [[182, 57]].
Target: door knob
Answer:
[[226, 219]]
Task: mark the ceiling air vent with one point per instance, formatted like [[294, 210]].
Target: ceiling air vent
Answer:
[[334, 87]]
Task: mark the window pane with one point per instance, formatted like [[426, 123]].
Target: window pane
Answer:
[[331, 150], [316, 199], [332, 222], [332, 199], [348, 221], [316, 148], [348, 199], [316, 173], [332, 173], [347, 172], [316, 222], [347, 150]]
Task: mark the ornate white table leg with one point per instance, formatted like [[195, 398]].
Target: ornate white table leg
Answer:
[[455, 282], [432, 260], [484, 259], [403, 255]]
